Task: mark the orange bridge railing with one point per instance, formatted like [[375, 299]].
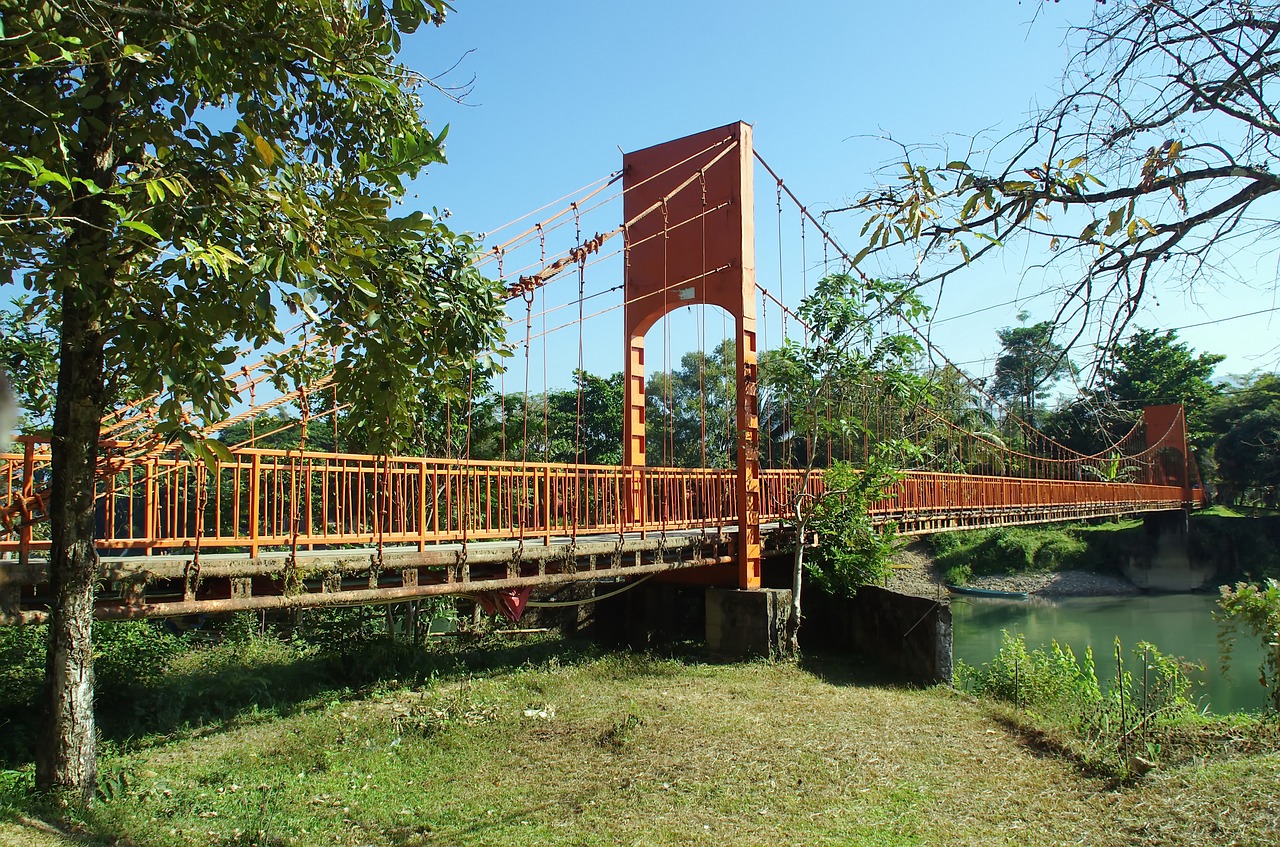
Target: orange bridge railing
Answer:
[[273, 498]]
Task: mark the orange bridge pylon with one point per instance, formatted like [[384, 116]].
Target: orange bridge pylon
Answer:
[[690, 239]]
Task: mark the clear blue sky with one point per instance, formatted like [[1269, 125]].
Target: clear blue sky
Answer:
[[560, 87]]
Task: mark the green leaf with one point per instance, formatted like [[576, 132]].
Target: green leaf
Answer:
[[220, 450], [1115, 220], [46, 176], [143, 228], [137, 54]]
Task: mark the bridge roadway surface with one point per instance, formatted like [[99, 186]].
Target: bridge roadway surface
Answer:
[[175, 584]]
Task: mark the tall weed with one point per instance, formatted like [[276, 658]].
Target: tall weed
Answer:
[[1257, 609], [1113, 726]]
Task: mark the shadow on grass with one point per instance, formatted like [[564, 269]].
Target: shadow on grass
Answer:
[[852, 671], [1054, 743], [210, 687]]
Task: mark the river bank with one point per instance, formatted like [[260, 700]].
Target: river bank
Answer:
[[916, 572], [1093, 559]]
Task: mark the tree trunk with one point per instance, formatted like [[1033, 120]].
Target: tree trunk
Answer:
[[65, 755], [87, 268], [797, 568], [797, 583]]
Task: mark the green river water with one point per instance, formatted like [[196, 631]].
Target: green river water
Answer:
[[1177, 624]]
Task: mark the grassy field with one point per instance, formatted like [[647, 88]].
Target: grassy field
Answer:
[[560, 744]]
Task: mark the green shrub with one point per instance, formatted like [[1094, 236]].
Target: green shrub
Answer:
[[1245, 549], [240, 627], [130, 653], [853, 551], [1011, 550], [941, 543], [1256, 607], [1059, 551], [1036, 678], [22, 658]]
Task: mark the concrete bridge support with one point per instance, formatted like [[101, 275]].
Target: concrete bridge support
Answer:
[[737, 623], [748, 623], [1167, 565], [908, 637]]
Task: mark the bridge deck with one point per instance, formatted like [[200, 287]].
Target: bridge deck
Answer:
[[283, 529], [173, 583]]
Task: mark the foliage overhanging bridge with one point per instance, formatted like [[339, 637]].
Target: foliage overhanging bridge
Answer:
[[250, 527]]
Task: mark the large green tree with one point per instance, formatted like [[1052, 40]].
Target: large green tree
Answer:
[[1246, 419], [1248, 457], [1030, 363], [1152, 367], [177, 173], [1147, 368]]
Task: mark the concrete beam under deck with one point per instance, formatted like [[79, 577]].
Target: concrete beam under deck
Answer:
[[160, 586]]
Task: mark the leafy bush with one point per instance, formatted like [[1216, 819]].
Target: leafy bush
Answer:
[[130, 653], [22, 658], [957, 574], [1037, 678], [1257, 607], [852, 551], [1246, 549], [941, 543], [128, 656], [1058, 551]]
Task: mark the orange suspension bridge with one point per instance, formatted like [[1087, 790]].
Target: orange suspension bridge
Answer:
[[276, 529]]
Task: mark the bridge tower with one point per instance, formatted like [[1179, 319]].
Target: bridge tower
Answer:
[[690, 239]]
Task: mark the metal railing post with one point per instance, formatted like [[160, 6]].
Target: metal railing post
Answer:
[[150, 505], [28, 494], [546, 505], [254, 502], [422, 505]]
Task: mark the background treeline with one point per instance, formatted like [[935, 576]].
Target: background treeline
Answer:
[[954, 423]]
